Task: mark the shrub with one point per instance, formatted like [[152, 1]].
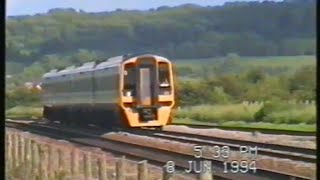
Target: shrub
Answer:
[[218, 96], [278, 112]]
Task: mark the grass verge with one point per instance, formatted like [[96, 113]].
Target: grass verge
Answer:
[[234, 124], [24, 112]]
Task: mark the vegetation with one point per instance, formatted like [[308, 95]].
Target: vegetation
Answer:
[[270, 112], [22, 97], [219, 113], [24, 112], [293, 127], [236, 83]]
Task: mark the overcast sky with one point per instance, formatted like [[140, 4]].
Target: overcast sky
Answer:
[[30, 7]]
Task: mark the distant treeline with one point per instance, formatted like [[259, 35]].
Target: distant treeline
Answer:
[[65, 36]]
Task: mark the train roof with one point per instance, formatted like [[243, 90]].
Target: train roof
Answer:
[[94, 65]]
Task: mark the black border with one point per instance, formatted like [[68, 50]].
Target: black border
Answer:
[[317, 89], [3, 7]]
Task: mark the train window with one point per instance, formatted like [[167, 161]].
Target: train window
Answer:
[[164, 79], [129, 85], [164, 75]]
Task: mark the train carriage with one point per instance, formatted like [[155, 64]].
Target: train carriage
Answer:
[[131, 91]]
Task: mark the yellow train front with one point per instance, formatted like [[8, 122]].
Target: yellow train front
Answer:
[[128, 91]]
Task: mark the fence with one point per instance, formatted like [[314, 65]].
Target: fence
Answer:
[[32, 159]]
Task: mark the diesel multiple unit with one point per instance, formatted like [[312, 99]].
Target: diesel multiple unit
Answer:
[[130, 91]]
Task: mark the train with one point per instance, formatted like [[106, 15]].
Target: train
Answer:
[[132, 90]]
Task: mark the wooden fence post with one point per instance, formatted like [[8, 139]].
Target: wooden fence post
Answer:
[[74, 163], [21, 149], [18, 155], [35, 158], [87, 165], [6, 148], [120, 169], [102, 167], [27, 157], [52, 162], [165, 174], [43, 162], [14, 150], [9, 151], [61, 164], [143, 170]]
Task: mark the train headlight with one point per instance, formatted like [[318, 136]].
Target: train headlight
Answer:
[[128, 93]]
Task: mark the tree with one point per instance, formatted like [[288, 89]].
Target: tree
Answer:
[[302, 83], [84, 55], [255, 75]]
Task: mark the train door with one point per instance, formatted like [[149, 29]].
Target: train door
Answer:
[[146, 95], [145, 88]]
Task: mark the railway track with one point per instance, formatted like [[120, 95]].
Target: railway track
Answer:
[[273, 150], [130, 149], [243, 129], [249, 129]]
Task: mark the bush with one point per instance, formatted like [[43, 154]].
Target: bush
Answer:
[[22, 97], [278, 112], [218, 96]]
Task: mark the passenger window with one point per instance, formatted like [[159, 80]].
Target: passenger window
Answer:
[[129, 86]]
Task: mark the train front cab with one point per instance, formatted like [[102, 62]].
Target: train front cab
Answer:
[[147, 91]]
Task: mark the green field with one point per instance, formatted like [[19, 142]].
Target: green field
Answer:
[[24, 112], [269, 61]]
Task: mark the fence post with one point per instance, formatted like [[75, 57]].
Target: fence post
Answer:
[[74, 163], [87, 165], [14, 150], [43, 163], [102, 167], [9, 151], [21, 149], [120, 169], [18, 155], [61, 164], [6, 148], [27, 157], [206, 171], [142, 170], [165, 174], [35, 158]]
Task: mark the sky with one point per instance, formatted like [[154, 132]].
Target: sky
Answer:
[[31, 7]]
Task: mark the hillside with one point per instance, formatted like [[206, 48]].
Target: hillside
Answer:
[[62, 37]]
